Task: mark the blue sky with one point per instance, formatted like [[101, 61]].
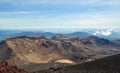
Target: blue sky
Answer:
[[52, 14]]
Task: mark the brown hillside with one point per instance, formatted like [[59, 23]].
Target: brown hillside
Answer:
[[24, 51]]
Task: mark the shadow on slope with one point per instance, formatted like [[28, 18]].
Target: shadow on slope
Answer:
[[105, 65]]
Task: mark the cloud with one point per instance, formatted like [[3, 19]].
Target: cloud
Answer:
[[93, 20], [103, 33], [79, 20], [25, 1], [66, 2], [18, 12], [22, 14], [106, 33], [67, 13], [4, 20]]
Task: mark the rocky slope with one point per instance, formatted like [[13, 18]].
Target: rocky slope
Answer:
[[104, 65], [5, 68], [24, 51]]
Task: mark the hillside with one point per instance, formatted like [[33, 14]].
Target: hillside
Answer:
[[5, 68], [25, 52], [117, 41], [105, 65]]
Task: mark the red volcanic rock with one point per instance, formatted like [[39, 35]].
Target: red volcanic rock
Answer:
[[10, 69]]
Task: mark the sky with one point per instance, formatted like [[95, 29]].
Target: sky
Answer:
[[57, 14]]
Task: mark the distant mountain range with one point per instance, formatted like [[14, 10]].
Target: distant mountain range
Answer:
[[111, 35], [9, 34]]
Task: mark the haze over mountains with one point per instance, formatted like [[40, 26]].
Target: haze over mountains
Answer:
[[102, 33], [13, 33]]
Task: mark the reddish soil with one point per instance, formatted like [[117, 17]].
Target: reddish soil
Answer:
[[10, 69]]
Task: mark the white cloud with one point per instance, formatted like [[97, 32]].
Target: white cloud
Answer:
[[91, 17], [106, 33], [103, 33], [4, 20], [91, 20], [97, 33]]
